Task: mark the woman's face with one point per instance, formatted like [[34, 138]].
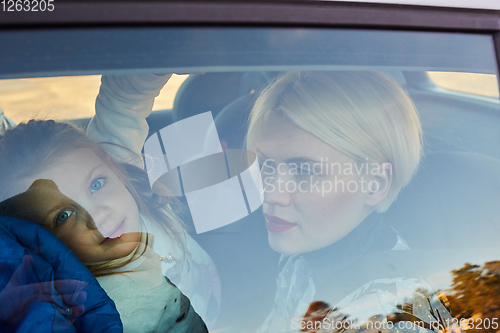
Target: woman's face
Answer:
[[314, 195]]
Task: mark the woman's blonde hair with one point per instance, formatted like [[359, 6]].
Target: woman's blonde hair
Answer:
[[29, 148], [365, 115]]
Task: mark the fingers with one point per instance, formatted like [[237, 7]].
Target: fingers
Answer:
[[73, 294], [70, 305], [20, 292], [76, 299], [70, 286], [22, 273]]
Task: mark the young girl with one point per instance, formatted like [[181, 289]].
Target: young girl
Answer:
[[103, 235], [122, 106], [116, 194], [141, 294]]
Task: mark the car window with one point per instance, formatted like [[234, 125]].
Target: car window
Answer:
[[472, 83], [323, 177], [68, 97]]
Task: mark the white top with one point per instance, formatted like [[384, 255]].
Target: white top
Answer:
[[5, 123], [196, 276], [147, 301], [122, 106]]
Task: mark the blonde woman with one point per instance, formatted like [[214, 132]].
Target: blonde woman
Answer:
[[335, 148]]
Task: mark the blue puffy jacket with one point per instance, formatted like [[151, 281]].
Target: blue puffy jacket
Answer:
[[45, 288]]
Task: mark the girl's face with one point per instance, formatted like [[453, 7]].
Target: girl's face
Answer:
[[305, 204], [83, 177]]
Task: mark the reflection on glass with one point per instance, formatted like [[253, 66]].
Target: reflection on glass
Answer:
[[356, 245]]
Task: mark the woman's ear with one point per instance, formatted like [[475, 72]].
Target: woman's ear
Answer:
[[379, 186]]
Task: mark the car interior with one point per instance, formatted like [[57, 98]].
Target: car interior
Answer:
[[453, 194], [455, 150], [451, 205]]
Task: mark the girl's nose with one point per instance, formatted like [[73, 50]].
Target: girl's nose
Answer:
[[90, 222], [276, 191], [100, 214]]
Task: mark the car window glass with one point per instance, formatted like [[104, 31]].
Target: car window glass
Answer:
[[69, 97], [478, 84], [288, 232]]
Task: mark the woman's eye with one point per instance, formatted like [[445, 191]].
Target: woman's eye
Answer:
[[304, 172], [63, 216], [307, 171], [96, 184]]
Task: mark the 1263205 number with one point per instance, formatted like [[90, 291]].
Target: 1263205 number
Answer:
[[479, 323], [28, 5]]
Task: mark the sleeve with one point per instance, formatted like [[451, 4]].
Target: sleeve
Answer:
[[5, 123], [123, 103]]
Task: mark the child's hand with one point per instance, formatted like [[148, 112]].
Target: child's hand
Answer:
[[67, 296]]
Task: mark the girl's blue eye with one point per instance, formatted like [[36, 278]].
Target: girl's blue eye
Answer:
[[63, 216], [96, 184]]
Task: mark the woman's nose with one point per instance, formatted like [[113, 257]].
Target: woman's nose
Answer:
[[276, 191]]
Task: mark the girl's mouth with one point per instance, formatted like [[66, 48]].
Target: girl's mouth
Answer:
[[118, 231], [277, 225]]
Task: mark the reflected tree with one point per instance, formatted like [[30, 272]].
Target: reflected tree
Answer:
[[475, 297]]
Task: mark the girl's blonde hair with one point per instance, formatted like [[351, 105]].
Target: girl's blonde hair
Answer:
[[365, 115], [31, 147]]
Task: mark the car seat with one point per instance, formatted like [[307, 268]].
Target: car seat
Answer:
[[452, 202], [213, 91], [240, 250]]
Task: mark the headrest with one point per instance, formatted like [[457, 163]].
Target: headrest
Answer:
[[232, 122], [213, 91]]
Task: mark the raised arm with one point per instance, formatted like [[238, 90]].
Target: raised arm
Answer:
[[123, 103]]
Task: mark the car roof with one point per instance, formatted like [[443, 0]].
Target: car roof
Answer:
[[475, 4], [444, 15]]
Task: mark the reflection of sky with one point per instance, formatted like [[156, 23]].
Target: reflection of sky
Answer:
[[433, 265], [429, 270], [251, 284], [250, 281]]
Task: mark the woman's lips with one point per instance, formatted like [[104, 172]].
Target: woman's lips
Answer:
[[277, 225]]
